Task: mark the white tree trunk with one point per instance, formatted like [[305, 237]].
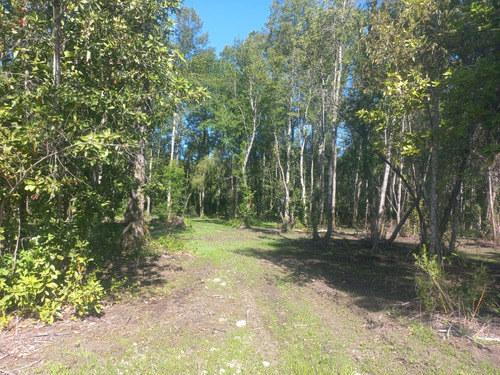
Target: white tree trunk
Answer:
[[172, 155], [491, 202], [379, 220], [332, 194]]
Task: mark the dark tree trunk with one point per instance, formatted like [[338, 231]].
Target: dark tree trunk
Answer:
[[135, 228], [402, 222]]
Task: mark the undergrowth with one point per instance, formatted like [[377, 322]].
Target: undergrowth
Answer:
[[460, 295], [61, 269], [50, 272]]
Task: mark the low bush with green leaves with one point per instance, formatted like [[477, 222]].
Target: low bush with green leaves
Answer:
[[48, 274]]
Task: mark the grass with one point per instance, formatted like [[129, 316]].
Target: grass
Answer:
[[309, 310]]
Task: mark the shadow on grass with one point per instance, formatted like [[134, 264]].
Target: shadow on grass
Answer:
[[345, 263], [128, 270], [375, 281]]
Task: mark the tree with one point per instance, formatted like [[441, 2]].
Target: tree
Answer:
[[83, 85], [416, 68]]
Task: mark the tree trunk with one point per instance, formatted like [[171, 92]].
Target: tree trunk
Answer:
[[202, 202], [285, 214], [312, 181], [491, 202], [318, 195], [56, 72], [186, 202], [355, 199], [319, 191], [172, 154], [434, 243], [57, 40], [234, 182], [402, 222], [302, 176], [289, 140], [454, 228], [399, 196], [379, 220], [150, 176], [332, 183], [135, 230], [255, 122], [332, 186]]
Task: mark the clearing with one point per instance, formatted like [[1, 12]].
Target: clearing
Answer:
[[255, 301]]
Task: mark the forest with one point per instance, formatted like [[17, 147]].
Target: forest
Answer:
[[381, 116]]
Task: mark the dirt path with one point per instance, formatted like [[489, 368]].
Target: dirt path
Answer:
[[255, 302]]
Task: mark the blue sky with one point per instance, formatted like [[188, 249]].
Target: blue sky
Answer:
[[226, 20]]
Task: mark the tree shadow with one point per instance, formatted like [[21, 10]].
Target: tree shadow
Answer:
[[138, 267], [375, 281], [346, 264]]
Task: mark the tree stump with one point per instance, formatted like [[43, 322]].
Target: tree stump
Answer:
[[178, 222]]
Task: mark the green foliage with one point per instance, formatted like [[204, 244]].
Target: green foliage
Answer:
[[48, 275], [438, 290], [473, 291], [235, 223], [82, 290], [246, 209], [81, 89], [170, 243], [431, 283], [161, 210], [169, 178]]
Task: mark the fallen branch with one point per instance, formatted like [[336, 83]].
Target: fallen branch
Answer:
[[481, 346], [494, 339]]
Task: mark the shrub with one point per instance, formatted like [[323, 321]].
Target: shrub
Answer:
[[431, 283], [49, 273], [436, 289]]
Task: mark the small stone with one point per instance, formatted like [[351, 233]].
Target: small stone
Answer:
[[241, 323]]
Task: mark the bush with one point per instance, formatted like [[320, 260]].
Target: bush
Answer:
[[161, 210], [50, 272], [246, 209], [438, 290], [432, 285]]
